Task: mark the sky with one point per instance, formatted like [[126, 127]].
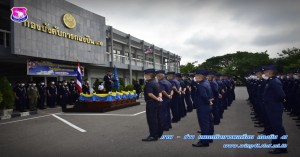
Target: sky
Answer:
[[199, 29]]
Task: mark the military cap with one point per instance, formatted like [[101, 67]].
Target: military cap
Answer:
[[160, 72], [148, 71], [268, 67]]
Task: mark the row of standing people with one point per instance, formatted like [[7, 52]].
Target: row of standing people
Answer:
[[170, 96], [268, 97], [33, 96]]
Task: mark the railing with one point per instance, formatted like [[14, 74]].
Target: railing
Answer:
[[149, 64], [4, 38], [137, 62]]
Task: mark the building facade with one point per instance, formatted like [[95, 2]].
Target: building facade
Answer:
[[59, 34]]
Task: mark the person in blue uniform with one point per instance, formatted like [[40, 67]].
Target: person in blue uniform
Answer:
[[58, 99], [176, 97], [215, 89], [187, 96], [64, 95], [73, 92], [273, 98], [21, 96], [86, 87], [221, 92], [193, 89], [42, 92], [52, 94], [153, 98], [167, 93], [108, 81], [182, 107], [203, 100]]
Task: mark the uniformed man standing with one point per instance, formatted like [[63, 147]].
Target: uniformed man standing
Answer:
[[182, 107], [167, 93], [153, 98], [215, 89], [108, 81], [203, 100], [33, 95], [64, 95], [273, 98], [176, 97], [73, 92], [21, 96], [52, 94], [42, 94], [86, 87], [187, 98]]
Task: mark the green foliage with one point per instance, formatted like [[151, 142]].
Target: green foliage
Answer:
[[188, 68], [289, 59], [1, 97], [7, 94], [129, 87], [95, 85], [122, 88]]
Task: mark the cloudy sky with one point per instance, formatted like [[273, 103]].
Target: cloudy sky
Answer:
[[200, 29]]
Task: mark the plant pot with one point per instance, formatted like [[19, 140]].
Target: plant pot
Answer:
[[6, 112]]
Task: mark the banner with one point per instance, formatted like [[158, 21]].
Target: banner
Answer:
[[108, 97], [51, 68]]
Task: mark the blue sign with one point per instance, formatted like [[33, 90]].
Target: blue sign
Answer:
[[48, 68]]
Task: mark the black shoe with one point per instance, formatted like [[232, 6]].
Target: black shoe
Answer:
[[174, 121], [199, 131], [210, 141], [296, 118], [216, 123], [170, 126], [278, 151], [199, 144], [257, 123], [149, 139], [166, 129]]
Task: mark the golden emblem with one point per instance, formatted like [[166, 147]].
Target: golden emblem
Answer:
[[69, 20]]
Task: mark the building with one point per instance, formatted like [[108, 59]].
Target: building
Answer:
[[57, 34]]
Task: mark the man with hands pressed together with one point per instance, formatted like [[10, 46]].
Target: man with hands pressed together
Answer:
[[153, 98]]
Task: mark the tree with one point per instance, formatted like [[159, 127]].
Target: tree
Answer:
[[7, 94], [289, 59]]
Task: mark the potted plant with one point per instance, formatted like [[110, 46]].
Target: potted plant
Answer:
[[7, 104]]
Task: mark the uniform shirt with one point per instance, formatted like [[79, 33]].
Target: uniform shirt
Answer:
[[20, 92], [175, 83], [182, 84], [203, 94], [214, 88], [165, 85], [85, 89], [52, 90], [64, 90], [151, 87], [42, 90], [273, 92], [107, 80]]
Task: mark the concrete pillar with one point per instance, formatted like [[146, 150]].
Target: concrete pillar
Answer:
[[144, 55], [130, 58], [111, 46], [153, 53], [162, 59]]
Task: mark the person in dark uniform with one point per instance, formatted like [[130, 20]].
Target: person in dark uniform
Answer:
[[42, 93], [52, 94], [221, 92], [167, 93], [188, 90], [59, 89], [86, 87], [193, 89], [64, 95], [138, 89], [176, 97], [33, 96], [204, 104], [21, 96], [73, 92], [108, 81], [273, 98], [153, 98], [215, 89], [182, 108]]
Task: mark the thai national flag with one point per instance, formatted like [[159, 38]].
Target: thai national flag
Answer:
[[148, 51], [79, 78]]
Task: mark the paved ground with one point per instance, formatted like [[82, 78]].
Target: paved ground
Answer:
[[119, 133]]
